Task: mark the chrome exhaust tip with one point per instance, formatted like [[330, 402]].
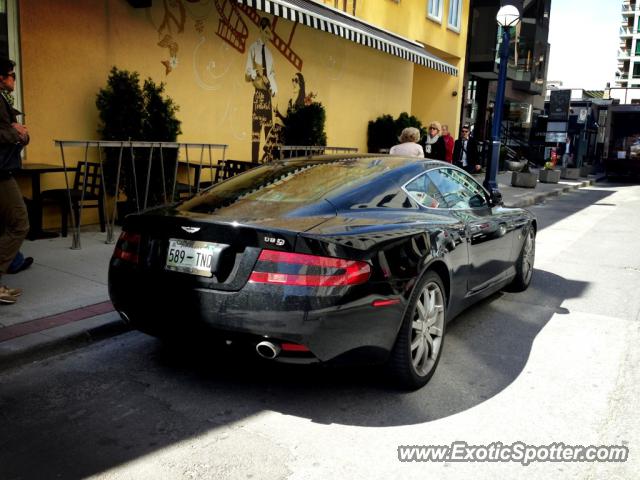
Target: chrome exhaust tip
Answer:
[[124, 316], [268, 350]]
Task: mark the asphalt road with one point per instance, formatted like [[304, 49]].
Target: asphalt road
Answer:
[[558, 363]]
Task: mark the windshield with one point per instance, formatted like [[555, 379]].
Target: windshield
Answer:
[[293, 182]]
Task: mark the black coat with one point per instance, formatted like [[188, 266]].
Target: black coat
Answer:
[[562, 148], [9, 139], [472, 154], [436, 151]]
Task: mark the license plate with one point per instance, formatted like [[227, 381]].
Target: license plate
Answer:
[[193, 257]]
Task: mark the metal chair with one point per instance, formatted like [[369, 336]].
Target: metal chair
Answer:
[[230, 168], [87, 179]]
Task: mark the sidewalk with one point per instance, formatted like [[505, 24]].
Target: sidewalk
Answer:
[[65, 303]]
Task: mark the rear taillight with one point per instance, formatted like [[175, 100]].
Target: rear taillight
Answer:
[[283, 268], [128, 247]]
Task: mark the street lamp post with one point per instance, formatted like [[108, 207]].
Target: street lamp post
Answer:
[[507, 17]]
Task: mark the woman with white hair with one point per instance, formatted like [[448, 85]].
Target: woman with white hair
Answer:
[[434, 146], [408, 145]]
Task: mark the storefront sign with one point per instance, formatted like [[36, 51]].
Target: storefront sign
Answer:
[[559, 105]]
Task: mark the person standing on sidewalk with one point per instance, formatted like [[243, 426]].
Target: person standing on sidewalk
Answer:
[[14, 221], [448, 143], [566, 152], [465, 152], [434, 146], [408, 145]]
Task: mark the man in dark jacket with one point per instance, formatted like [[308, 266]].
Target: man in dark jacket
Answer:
[[465, 152], [566, 152], [14, 221]]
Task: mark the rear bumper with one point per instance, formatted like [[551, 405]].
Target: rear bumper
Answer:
[[330, 321]]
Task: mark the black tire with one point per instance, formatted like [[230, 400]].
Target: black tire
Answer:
[[409, 370], [524, 264]]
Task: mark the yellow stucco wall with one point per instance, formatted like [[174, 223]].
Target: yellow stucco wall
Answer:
[[69, 46], [433, 97], [409, 19]]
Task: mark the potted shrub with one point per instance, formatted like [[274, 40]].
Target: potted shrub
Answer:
[[383, 132], [586, 170], [524, 178], [304, 124], [570, 173], [549, 174], [128, 111], [515, 166]]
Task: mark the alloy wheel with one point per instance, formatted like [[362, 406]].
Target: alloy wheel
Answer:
[[528, 256], [427, 328]]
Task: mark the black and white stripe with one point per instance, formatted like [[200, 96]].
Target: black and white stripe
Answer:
[[337, 23]]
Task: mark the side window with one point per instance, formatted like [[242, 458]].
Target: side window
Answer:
[[424, 191], [459, 191]]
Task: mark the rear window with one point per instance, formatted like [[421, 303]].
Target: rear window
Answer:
[[289, 182]]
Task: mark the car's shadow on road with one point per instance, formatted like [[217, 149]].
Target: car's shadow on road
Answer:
[[95, 409], [486, 349]]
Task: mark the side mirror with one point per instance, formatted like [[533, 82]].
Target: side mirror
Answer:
[[495, 198]]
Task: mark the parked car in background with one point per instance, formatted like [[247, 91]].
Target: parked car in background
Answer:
[[352, 258]]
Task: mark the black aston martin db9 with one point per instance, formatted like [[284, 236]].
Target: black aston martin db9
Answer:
[[324, 259]]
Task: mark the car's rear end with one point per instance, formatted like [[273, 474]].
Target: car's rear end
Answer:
[[233, 266]]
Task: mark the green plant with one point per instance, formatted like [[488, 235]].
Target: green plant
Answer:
[[383, 132], [405, 120], [304, 124], [128, 111], [549, 165]]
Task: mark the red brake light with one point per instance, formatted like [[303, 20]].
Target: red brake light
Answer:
[[128, 247], [284, 268], [293, 347]]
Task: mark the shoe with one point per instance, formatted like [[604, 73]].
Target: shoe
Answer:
[[5, 298], [12, 292], [28, 261]]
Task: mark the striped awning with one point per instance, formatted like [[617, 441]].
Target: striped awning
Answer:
[[351, 28]]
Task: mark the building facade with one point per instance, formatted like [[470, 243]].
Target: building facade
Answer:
[[526, 73], [359, 59], [628, 73]]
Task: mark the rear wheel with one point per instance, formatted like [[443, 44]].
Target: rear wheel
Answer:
[[524, 264], [418, 346]]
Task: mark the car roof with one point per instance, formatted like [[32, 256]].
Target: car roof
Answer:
[[392, 160]]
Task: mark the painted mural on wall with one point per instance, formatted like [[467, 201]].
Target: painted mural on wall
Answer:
[[224, 27], [261, 73]]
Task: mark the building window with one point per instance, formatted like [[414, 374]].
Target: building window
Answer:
[[638, 47], [636, 70], [455, 12], [434, 10]]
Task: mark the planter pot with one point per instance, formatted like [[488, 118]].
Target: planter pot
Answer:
[[549, 176], [514, 166], [526, 180], [586, 170], [570, 173]]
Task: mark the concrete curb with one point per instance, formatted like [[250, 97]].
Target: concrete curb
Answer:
[[37, 346], [539, 197]]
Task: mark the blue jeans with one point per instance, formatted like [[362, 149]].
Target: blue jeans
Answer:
[[17, 262]]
